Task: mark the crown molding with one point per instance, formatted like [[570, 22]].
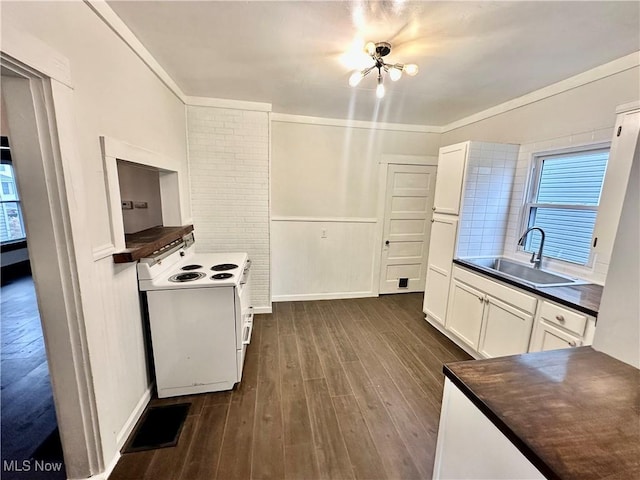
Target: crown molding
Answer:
[[115, 23], [227, 103], [627, 107], [339, 122], [602, 71]]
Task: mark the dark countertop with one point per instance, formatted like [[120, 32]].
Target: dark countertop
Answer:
[[574, 413], [584, 298], [144, 243]]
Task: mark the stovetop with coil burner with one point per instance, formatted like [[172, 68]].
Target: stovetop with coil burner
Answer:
[[186, 268]]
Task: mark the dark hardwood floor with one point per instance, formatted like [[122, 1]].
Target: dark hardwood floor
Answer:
[[28, 414], [337, 389]]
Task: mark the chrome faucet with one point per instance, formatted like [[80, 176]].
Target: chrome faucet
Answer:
[[535, 259]]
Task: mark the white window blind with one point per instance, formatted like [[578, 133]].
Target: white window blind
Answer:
[[565, 194]]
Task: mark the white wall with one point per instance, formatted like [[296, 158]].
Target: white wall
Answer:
[[115, 95], [140, 185], [229, 168], [618, 329], [326, 179], [579, 116]]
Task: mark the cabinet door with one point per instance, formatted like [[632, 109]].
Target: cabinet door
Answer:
[[441, 247], [505, 329], [548, 337], [464, 317], [451, 164]]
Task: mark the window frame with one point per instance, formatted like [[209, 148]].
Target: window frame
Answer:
[[9, 245], [533, 185]]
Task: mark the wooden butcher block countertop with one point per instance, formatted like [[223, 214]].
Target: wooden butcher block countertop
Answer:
[[574, 413]]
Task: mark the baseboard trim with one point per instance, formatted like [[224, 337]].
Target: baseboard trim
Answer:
[[452, 337], [262, 310], [322, 296], [121, 438]]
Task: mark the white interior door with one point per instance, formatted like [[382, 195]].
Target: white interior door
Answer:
[[407, 226]]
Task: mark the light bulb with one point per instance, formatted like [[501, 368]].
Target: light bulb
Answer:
[[395, 74], [355, 78], [380, 90], [370, 48], [411, 69]]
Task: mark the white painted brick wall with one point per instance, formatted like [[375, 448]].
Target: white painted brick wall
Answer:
[[229, 172], [485, 206]]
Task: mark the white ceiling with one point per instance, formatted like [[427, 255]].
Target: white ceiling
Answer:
[[472, 55]]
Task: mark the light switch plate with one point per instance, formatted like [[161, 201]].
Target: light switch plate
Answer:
[[127, 205], [140, 205]]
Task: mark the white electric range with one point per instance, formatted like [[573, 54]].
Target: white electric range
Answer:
[[200, 317]]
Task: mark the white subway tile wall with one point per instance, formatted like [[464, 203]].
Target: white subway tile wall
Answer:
[[487, 193], [229, 173]]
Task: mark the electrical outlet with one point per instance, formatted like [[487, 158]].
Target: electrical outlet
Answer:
[[140, 205], [127, 205], [323, 233]]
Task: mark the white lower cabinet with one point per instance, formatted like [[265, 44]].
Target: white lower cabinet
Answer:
[[557, 327], [505, 329], [490, 318], [466, 309]]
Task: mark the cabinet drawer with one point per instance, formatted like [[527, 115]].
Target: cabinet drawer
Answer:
[[524, 302], [569, 320]]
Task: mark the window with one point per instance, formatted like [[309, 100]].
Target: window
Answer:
[[11, 223], [563, 201]]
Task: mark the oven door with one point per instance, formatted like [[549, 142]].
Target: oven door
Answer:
[[245, 318]]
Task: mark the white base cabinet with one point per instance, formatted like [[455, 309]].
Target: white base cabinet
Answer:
[[471, 447], [466, 309], [491, 318], [558, 327], [505, 329]]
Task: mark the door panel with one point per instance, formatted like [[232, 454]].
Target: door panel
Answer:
[[451, 164], [441, 248], [505, 330], [407, 226], [548, 337], [464, 317]]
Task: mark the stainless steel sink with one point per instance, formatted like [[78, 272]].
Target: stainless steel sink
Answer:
[[523, 273]]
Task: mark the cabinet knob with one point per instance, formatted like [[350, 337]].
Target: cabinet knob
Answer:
[[486, 300], [481, 299], [433, 208], [432, 220], [560, 318], [572, 343]]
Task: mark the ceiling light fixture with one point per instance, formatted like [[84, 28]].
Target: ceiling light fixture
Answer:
[[377, 51]]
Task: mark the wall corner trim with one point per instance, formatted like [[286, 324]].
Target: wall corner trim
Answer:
[[598, 73], [102, 9], [227, 103], [339, 122]]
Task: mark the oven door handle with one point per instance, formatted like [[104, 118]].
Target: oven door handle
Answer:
[[248, 328]]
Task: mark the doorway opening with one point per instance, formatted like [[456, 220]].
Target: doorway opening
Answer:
[[29, 426], [38, 119]]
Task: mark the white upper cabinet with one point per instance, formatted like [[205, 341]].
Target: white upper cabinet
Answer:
[[451, 166]]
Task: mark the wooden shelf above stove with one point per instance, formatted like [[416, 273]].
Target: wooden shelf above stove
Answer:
[[144, 243]]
